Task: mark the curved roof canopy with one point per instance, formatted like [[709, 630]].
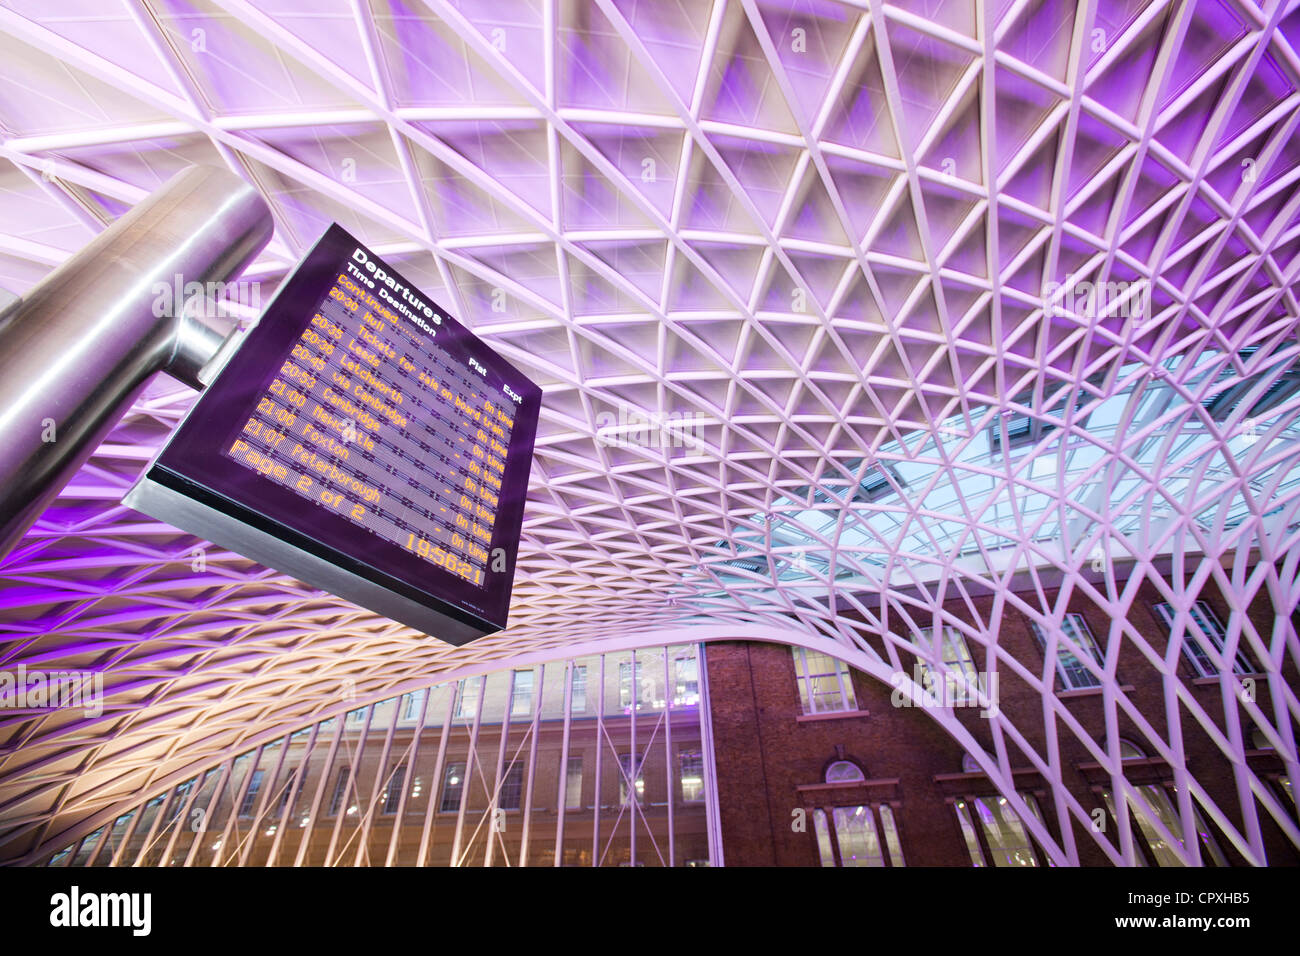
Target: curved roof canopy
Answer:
[[842, 311]]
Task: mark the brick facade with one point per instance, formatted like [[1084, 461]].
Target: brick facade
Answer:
[[771, 758]]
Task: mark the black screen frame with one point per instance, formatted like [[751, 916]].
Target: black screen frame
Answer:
[[194, 462]]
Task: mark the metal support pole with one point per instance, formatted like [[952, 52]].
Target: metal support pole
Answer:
[[78, 348]]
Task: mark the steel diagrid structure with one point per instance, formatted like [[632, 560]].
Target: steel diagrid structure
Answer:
[[847, 314]]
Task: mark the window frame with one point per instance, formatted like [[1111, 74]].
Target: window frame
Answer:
[[458, 788], [414, 701], [686, 687], [1201, 663], [512, 777], [338, 796], [515, 695], [573, 773], [459, 713], [1083, 638], [856, 774], [963, 665], [975, 829], [578, 686], [629, 684], [830, 834], [626, 786], [251, 790], [1145, 835], [848, 699], [287, 791], [695, 758], [393, 789], [878, 482]]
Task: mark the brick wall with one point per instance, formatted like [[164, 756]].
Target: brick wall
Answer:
[[771, 758]]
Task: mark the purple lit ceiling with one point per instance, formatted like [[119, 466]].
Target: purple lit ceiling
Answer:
[[824, 238]]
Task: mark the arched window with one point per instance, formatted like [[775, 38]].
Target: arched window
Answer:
[[844, 771], [1129, 750]]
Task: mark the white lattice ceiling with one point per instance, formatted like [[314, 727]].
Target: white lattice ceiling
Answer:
[[822, 235]]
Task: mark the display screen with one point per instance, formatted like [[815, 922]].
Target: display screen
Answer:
[[359, 421]]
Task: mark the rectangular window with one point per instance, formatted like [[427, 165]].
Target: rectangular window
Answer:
[[453, 785], [578, 694], [968, 834], [825, 685], [1005, 836], [1020, 432], [1162, 807], [393, 793], [250, 795], [857, 836], [1074, 673], [1212, 853], [512, 788], [890, 829], [573, 783], [855, 831], [1032, 802], [467, 697], [414, 702], [955, 654], [640, 683], [629, 683], [824, 849], [690, 765], [686, 691], [625, 774], [286, 792], [521, 695], [340, 785], [625, 684], [1204, 635]]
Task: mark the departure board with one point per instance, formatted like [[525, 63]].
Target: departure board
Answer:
[[365, 441]]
